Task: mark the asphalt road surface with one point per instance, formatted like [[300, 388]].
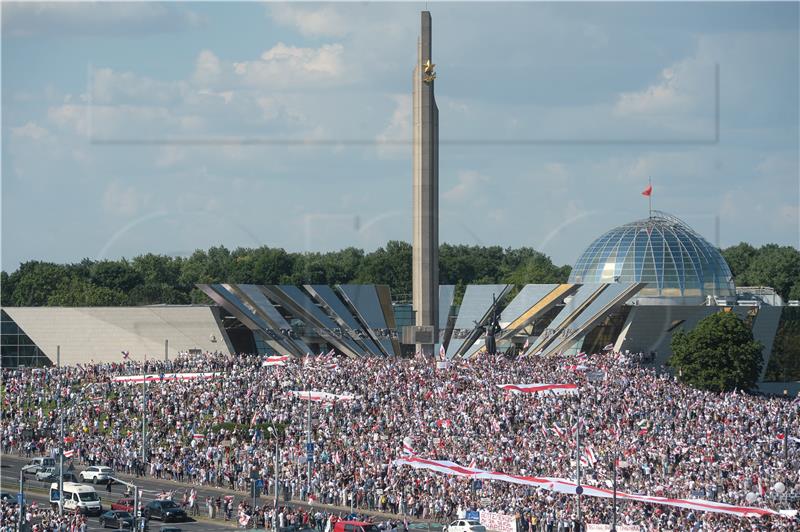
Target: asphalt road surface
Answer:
[[37, 491]]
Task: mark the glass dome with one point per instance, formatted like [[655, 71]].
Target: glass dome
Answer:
[[662, 251]]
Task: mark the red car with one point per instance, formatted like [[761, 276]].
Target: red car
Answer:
[[125, 504]]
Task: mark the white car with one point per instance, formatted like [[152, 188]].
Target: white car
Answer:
[[37, 464], [46, 473], [465, 525], [96, 474]]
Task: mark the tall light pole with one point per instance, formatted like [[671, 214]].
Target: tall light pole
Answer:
[[61, 436], [20, 500], [309, 449], [275, 508], [144, 415], [578, 488], [614, 459], [135, 499]]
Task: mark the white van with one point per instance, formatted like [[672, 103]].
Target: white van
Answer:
[[79, 496]]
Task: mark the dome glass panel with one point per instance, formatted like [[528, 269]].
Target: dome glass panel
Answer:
[[661, 251]]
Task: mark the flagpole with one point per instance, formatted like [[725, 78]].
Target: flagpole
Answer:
[[650, 197]]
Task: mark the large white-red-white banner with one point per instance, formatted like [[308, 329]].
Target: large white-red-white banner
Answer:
[[557, 389], [131, 379], [561, 485], [276, 360], [498, 522], [320, 396]]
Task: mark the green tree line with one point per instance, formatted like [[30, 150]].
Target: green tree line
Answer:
[[160, 279], [770, 265]]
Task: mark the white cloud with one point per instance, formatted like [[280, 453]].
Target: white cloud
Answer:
[[468, 184], [109, 87], [670, 94], [395, 139], [30, 130], [287, 66], [122, 200], [207, 68], [310, 22]]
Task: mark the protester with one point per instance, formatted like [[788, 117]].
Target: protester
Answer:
[[670, 440]]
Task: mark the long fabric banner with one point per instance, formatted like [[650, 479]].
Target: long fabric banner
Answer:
[[320, 396], [561, 485], [558, 389], [276, 361], [131, 379]]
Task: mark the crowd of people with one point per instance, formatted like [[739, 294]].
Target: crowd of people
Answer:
[[666, 439], [40, 519]]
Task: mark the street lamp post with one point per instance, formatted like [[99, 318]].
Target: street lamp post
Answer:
[[135, 499], [60, 436], [614, 507], [275, 507], [22, 493]]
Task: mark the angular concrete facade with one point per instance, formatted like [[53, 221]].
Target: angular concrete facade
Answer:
[[425, 262]]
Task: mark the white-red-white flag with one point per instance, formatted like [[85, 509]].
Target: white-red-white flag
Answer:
[[199, 436], [408, 448], [589, 457], [526, 344], [275, 361], [556, 389], [69, 453], [323, 397], [442, 353], [609, 347]]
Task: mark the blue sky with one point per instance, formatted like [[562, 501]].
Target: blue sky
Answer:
[[137, 127]]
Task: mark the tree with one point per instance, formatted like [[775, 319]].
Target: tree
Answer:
[[34, 281], [719, 354], [76, 292], [738, 258], [775, 266]]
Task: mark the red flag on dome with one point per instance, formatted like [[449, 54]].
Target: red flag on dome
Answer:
[[648, 191]]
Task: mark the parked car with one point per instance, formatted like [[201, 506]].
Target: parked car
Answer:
[[465, 525], [164, 510], [116, 519], [46, 474], [354, 526], [7, 497], [37, 464], [170, 529], [96, 474], [125, 504]]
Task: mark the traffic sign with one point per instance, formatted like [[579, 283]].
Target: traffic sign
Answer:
[[310, 447], [55, 495], [20, 499], [260, 484], [579, 489], [309, 458]]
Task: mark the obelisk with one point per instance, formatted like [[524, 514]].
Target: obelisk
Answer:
[[425, 154]]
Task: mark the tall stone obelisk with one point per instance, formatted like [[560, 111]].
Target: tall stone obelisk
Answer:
[[425, 261]]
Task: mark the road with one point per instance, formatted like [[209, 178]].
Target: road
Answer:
[[9, 475]]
